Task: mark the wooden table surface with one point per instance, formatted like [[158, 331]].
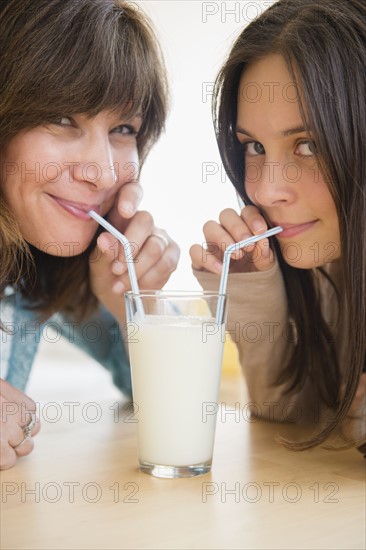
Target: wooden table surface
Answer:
[[81, 488]]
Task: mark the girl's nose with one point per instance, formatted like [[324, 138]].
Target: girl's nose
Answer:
[[274, 185]]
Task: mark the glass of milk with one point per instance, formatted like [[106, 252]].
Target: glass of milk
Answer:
[[176, 347]]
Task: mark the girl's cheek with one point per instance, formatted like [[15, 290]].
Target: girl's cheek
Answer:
[[253, 176], [250, 190]]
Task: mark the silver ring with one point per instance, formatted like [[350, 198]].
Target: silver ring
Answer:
[[162, 237], [27, 431]]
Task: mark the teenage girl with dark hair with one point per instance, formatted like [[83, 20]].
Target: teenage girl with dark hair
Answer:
[[290, 116]]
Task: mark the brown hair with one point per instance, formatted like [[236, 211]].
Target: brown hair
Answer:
[[323, 43], [71, 56]]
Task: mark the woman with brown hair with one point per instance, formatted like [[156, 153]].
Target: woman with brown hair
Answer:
[[83, 99], [290, 116]]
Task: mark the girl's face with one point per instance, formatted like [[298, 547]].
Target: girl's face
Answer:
[[53, 174], [282, 173]]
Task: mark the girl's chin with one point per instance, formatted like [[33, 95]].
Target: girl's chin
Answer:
[[310, 258], [305, 263]]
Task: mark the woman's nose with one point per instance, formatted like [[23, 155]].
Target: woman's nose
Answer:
[[95, 164]]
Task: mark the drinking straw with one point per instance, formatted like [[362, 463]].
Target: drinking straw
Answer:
[[225, 268], [128, 253]]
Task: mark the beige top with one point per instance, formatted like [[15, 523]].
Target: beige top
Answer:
[[258, 323]]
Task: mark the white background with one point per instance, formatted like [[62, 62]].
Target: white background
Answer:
[[195, 38]]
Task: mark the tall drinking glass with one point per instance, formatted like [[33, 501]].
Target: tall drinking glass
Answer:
[[176, 346]]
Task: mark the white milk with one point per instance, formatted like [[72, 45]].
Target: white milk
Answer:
[[176, 368]]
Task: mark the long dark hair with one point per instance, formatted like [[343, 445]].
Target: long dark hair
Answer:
[[71, 56], [323, 43]]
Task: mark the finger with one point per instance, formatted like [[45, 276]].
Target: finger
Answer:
[[254, 220], [113, 252], [22, 403], [238, 229], [218, 239], [203, 261], [263, 255], [149, 254], [17, 436], [36, 428], [234, 224], [158, 233], [127, 202], [15, 414], [8, 456], [110, 257], [158, 274], [102, 263], [154, 264], [139, 230], [111, 264], [24, 447], [109, 253], [258, 256]]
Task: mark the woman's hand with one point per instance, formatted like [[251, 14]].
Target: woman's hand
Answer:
[[17, 411], [127, 202], [155, 255], [232, 229]]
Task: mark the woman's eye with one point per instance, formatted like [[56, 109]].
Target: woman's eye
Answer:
[[63, 121], [306, 149], [253, 148], [66, 121], [125, 129]]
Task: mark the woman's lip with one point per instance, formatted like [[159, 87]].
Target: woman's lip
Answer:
[[292, 229], [77, 209]]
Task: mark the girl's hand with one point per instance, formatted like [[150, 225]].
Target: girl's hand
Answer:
[[155, 255], [232, 229], [16, 412]]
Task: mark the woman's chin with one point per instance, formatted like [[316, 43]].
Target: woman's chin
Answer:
[[63, 249]]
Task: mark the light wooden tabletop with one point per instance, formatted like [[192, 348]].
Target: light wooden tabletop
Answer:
[[81, 488]]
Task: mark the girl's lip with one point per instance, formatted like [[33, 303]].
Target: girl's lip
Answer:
[[292, 229], [77, 209]]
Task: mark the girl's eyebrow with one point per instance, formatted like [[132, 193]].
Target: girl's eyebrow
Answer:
[[240, 130], [284, 133]]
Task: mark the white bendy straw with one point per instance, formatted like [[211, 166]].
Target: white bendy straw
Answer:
[[128, 253], [225, 268]]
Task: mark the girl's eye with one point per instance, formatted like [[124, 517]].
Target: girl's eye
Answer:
[[126, 130], [306, 149], [253, 148]]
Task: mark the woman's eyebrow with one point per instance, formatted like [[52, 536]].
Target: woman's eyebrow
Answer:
[[284, 133]]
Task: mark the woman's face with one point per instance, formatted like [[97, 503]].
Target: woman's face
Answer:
[[282, 173], [53, 174]]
